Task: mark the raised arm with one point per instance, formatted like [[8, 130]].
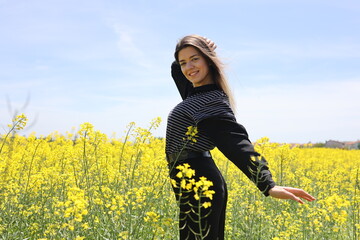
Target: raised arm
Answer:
[[183, 85]]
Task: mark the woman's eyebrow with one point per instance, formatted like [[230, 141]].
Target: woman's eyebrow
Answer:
[[195, 55]]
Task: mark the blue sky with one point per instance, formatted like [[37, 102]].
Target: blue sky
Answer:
[[294, 66]]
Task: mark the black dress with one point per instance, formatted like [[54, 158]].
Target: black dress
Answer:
[[207, 109]]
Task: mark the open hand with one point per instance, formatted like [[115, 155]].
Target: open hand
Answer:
[[290, 193]]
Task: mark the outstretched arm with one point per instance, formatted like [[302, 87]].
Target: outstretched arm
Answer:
[[232, 139], [183, 85]]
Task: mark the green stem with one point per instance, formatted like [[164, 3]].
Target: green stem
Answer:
[[123, 146], [30, 167]]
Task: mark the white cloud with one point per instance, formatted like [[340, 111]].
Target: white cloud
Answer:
[[126, 43]]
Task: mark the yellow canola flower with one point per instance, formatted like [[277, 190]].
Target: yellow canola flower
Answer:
[[151, 216], [185, 171], [209, 193], [191, 134], [19, 122], [206, 204], [173, 182], [192, 131], [85, 226], [88, 184], [196, 196], [183, 183]]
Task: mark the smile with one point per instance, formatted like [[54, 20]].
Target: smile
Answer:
[[193, 73]]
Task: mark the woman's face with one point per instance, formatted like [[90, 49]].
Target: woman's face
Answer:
[[194, 66]]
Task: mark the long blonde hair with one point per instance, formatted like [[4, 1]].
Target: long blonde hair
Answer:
[[207, 49]]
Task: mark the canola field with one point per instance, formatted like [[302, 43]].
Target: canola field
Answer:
[[87, 185]]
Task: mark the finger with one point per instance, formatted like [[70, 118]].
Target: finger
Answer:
[[210, 43], [309, 198], [299, 192], [306, 196], [295, 198]]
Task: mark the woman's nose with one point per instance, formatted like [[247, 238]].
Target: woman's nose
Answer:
[[189, 65]]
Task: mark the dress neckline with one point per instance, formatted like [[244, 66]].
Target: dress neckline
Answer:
[[204, 88]]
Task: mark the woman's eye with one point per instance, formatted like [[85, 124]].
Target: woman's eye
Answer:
[[182, 64], [195, 59]]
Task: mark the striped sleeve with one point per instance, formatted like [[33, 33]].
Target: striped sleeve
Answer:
[[216, 107]]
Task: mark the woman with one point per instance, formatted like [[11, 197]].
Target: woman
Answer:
[[207, 107]]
